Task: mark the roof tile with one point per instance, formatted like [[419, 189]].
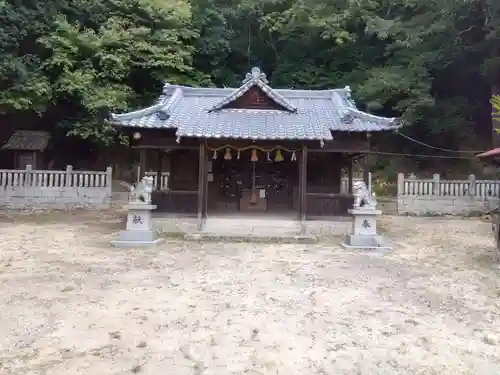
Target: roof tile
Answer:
[[27, 140], [310, 114]]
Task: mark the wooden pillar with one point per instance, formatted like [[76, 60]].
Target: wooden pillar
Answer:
[[205, 187], [167, 167], [366, 163], [349, 172], [303, 183], [142, 164], [159, 169], [366, 168], [201, 185]]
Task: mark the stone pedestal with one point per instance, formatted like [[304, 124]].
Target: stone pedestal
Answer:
[[139, 232], [364, 230]]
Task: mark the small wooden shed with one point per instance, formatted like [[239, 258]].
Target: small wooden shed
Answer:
[[27, 147]]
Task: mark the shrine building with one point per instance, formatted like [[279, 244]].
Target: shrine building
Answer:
[[252, 148]]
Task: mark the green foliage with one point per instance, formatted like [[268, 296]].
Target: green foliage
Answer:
[[74, 61], [495, 103], [87, 67]]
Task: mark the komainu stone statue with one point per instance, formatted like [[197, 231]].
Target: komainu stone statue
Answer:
[[141, 192], [363, 198]]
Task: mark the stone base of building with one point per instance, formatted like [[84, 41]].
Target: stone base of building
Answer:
[[251, 238]]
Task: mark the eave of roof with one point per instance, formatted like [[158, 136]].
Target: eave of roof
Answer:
[[27, 140]]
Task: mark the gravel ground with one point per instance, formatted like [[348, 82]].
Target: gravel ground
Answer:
[[70, 304]]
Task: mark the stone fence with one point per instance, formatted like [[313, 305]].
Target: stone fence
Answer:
[[446, 197], [163, 179], [344, 183], [69, 189]]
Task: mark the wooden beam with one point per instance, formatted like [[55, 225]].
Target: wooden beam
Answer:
[[162, 138], [205, 187], [35, 161], [303, 184], [201, 185], [364, 162], [166, 147], [159, 169], [349, 171], [142, 164], [367, 163], [341, 144], [249, 143]]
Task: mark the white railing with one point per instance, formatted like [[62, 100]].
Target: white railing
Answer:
[[413, 186], [69, 189], [163, 181], [68, 178]]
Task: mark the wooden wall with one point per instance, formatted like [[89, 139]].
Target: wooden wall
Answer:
[[324, 172], [184, 170]]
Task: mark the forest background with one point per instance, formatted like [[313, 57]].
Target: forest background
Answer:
[[65, 64]]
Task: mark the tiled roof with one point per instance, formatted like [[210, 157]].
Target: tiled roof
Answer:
[[309, 114], [27, 140]]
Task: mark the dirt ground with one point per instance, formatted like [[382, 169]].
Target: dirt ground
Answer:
[[70, 304]]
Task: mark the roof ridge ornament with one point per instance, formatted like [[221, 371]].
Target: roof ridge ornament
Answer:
[[259, 79], [348, 96], [255, 74]]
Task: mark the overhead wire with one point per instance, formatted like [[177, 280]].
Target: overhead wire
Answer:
[[438, 148], [431, 147], [422, 155]]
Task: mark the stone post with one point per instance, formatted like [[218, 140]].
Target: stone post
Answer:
[[370, 182], [364, 230], [401, 184], [28, 175], [139, 231], [435, 184], [109, 180], [472, 185], [69, 176]]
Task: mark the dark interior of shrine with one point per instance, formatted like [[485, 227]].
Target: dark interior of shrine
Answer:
[[253, 182]]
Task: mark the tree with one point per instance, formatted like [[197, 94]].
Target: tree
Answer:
[[495, 103], [106, 58], [432, 62]]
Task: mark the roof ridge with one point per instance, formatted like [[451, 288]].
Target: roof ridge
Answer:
[[139, 113], [162, 105], [340, 103], [369, 115], [347, 108], [174, 99], [255, 78]]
